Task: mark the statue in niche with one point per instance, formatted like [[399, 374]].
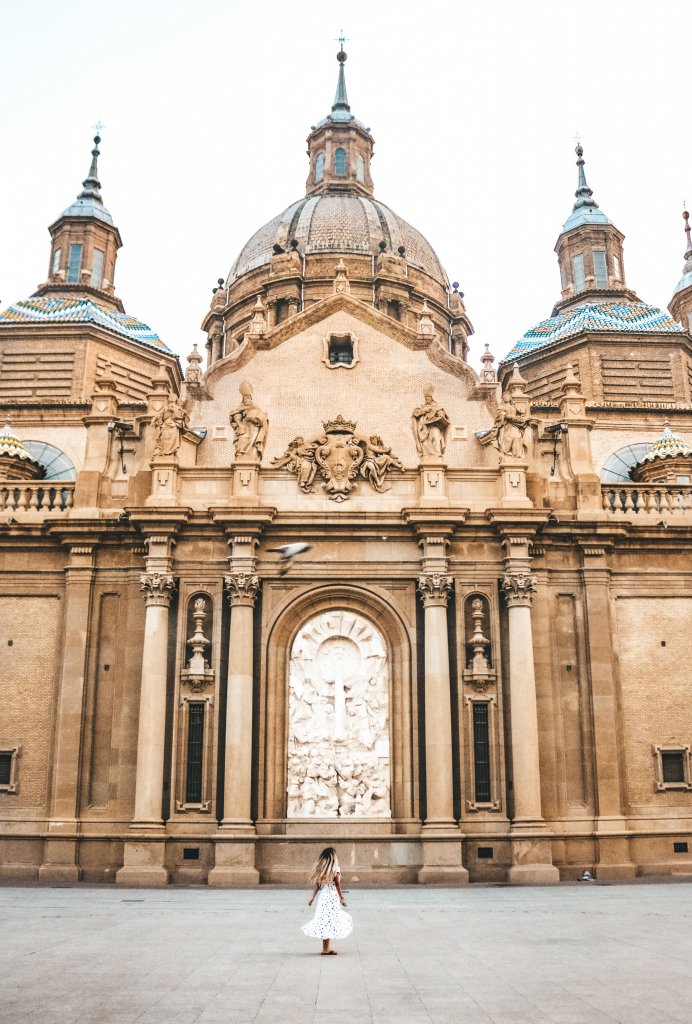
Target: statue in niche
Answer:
[[169, 424], [509, 429], [338, 713], [430, 425], [250, 424]]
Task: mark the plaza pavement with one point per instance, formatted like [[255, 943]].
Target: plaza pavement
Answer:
[[571, 954]]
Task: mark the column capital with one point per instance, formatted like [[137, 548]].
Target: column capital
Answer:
[[241, 588], [519, 588], [434, 589], [158, 588]]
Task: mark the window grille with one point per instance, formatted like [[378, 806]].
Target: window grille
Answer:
[[600, 269], [341, 351], [578, 278], [56, 261], [481, 753], [340, 161], [319, 167], [195, 737], [673, 766], [617, 272], [5, 769], [97, 268], [74, 264]]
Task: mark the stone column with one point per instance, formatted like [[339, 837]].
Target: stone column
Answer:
[[613, 853], [441, 859], [235, 856], [531, 853], [60, 853], [145, 855]]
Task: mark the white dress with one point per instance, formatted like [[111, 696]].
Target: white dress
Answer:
[[330, 921]]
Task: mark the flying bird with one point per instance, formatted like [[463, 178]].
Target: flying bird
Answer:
[[288, 552]]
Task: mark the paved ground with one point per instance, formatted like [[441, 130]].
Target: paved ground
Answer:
[[574, 954]]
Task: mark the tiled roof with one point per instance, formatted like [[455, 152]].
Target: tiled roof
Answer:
[[596, 317], [48, 310]]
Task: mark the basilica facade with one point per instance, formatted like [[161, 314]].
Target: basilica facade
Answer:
[[332, 583]]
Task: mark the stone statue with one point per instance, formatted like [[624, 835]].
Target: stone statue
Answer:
[[509, 429], [378, 459], [299, 458], [250, 424], [430, 424], [338, 719], [169, 423]]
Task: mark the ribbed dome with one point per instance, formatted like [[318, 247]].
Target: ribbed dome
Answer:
[[338, 223]]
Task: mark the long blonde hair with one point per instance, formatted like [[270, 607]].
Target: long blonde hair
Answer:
[[325, 867]]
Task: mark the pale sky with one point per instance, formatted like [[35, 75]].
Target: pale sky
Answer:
[[473, 106]]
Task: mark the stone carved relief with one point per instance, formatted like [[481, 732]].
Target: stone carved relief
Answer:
[[434, 589], [158, 588], [430, 424], [519, 588], [241, 588], [169, 423], [338, 719], [250, 424], [340, 456]]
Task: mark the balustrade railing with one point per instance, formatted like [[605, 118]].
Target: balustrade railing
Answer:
[[649, 499], [45, 497]]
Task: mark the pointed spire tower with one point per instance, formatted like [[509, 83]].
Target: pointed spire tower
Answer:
[[340, 147], [84, 245], [680, 305], [589, 249]]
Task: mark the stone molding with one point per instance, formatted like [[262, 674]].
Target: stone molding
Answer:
[[158, 588], [519, 588], [241, 588], [434, 589]]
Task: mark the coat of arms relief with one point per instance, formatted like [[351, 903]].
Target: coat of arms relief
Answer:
[[341, 457]]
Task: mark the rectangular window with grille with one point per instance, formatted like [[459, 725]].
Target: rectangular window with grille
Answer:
[[8, 769], [195, 753], [600, 268], [481, 754], [97, 268], [673, 766], [578, 278], [5, 769], [74, 263]]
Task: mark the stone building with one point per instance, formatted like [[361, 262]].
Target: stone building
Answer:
[[339, 586]]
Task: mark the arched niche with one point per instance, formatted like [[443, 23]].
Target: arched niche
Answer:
[[398, 640]]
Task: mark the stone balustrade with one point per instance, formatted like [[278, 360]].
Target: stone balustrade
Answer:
[[36, 496], [647, 499]]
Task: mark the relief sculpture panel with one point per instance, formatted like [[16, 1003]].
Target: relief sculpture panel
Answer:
[[338, 719]]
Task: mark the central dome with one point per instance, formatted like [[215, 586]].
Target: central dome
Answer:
[[341, 222]]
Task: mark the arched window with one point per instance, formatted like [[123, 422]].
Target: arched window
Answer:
[[340, 161], [360, 168], [319, 167], [618, 465], [56, 464]]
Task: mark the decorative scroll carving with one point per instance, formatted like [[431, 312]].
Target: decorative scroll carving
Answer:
[[430, 424], [241, 588], [198, 674], [338, 714], [434, 589], [250, 424], [158, 588], [519, 588], [169, 423], [341, 456]]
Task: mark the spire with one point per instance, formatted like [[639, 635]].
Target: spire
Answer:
[[688, 236], [583, 193], [341, 99], [91, 183]]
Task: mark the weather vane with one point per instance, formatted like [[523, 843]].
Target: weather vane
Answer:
[[342, 39], [98, 127]]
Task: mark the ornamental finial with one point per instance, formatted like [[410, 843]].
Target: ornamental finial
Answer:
[[584, 194], [91, 183]]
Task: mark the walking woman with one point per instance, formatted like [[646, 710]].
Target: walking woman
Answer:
[[330, 921]]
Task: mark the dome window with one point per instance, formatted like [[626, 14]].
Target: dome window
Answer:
[[56, 261], [340, 350], [578, 278], [340, 162], [74, 264], [360, 168], [319, 167], [600, 269], [97, 268], [617, 272]]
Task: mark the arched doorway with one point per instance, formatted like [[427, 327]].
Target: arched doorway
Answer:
[[338, 762]]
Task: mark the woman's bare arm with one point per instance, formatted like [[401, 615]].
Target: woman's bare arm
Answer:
[[337, 883], [314, 893]]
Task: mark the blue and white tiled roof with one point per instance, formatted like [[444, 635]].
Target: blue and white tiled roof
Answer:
[[596, 317], [53, 310]]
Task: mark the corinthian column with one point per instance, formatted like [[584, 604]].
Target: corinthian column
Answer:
[[242, 588], [531, 855], [158, 589], [434, 589]]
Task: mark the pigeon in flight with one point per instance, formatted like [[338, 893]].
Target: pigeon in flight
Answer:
[[288, 553]]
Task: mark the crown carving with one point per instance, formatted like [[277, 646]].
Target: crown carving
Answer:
[[339, 426]]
